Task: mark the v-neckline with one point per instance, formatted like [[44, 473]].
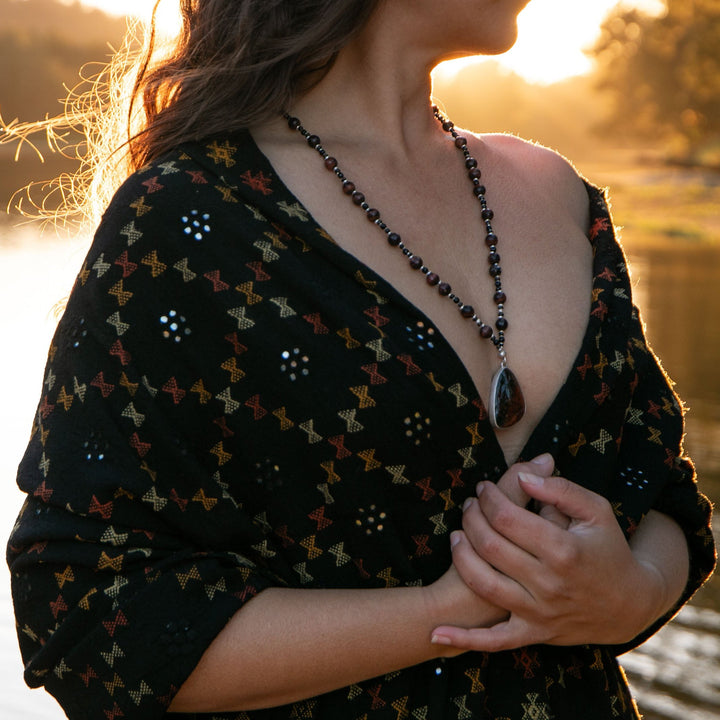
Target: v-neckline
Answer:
[[532, 445]]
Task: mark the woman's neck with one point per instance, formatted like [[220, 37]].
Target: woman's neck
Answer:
[[376, 96]]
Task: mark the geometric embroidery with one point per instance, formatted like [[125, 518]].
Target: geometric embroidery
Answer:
[[177, 485]]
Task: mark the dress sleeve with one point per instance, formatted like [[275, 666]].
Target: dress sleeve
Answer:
[[652, 462], [130, 553]]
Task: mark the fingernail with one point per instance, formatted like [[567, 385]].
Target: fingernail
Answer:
[[479, 488], [542, 459], [455, 538], [467, 504], [440, 640], [530, 479]]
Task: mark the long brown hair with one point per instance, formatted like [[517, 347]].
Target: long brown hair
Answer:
[[234, 64]]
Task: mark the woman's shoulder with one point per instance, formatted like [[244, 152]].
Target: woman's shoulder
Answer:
[[541, 171]]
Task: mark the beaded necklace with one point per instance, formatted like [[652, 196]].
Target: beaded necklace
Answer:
[[507, 404]]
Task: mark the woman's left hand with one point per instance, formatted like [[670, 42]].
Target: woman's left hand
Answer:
[[567, 576]]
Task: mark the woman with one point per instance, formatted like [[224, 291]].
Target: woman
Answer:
[[265, 422]]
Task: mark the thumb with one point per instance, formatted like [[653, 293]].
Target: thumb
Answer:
[[572, 500]]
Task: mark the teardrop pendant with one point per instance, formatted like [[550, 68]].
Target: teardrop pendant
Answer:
[[507, 403]]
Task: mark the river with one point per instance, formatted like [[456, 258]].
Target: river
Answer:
[[675, 676]]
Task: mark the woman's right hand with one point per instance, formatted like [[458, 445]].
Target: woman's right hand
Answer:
[[450, 595]]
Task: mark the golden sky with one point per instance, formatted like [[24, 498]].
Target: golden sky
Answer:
[[553, 33]]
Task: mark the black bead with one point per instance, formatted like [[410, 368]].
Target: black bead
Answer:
[[487, 214], [294, 123], [393, 239], [495, 270], [313, 141], [467, 311], [493, 258], [491, 239], [501, 324], [471, 163]]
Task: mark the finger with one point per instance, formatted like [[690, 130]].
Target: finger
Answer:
[[574, 501], [507, 635], [553, 515], [523, 528], [543, 465], [487, 580]]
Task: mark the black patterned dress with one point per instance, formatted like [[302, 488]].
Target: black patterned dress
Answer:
[[233, 402]]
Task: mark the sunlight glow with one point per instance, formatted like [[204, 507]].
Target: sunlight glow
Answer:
[[553, 33]]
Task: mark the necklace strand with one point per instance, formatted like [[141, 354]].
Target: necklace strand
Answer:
[[507, 404]]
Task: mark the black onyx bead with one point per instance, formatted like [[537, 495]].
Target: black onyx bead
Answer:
[[373, 214], [416, 262], [471, 163], [313, 141], [393, 239], [486, 332], [294, 123], [500, 297], [479, 191], [487, 214], [348, 187], [501, 324], [330, 163], [495, 270], [358, 198], [493, 258], [467, 311], [444, 288], [433, 278], [475, 173], [491, 239]]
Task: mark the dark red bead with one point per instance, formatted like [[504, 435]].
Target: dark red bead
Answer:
[[416, 262], [486, 331], [501, 324], [447, 126], [330, 163], [432, 278], [475, 173], [393, 239], [495, 270], [444, 288], [373, 214], [348, 187], [467, 311], [460, 142], [471, 163], [500, 297], [487, 214], [491, 239], [358, 198], [313, 141]]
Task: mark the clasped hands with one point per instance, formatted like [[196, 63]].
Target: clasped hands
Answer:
[[564, 575]]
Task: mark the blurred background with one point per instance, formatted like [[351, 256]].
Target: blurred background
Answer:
[[629, 92]]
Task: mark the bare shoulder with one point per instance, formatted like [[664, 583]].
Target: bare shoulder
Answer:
[[541, 171]]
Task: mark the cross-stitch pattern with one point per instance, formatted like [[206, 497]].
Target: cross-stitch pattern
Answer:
[[233, 402]]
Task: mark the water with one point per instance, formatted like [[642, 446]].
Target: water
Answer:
[[675, 676]]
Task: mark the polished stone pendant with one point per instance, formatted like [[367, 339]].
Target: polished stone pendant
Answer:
[[507, 403]]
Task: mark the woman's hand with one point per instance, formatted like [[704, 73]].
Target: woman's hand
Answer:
[[567, 576]]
